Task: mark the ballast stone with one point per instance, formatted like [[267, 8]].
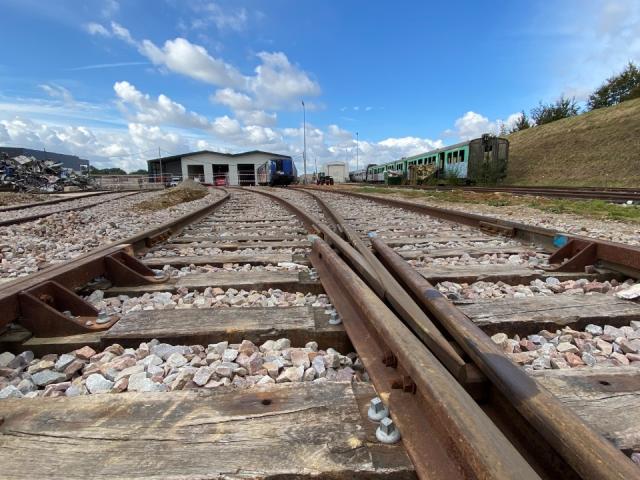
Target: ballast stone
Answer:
[[96, 383]]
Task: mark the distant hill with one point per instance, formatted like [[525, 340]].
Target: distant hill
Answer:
[[600, 148]]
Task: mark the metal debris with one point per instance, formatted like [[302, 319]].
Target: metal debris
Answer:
[[28, 174]]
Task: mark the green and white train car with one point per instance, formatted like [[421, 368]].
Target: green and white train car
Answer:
[[480, 160]]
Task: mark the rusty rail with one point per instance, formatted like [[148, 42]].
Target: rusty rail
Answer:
[[79, 271], [578, 193], [424, 398], [588, 453], [29, 218], [624, 258], [406, 307]]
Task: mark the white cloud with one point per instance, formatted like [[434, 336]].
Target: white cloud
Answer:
[[143, 109], [232, 99], [472, 125], [122, 33], [181, 56], [97, 29], [58, 92], [210, 13], [276, 84], [110, 8], [606, 36], [257, 117]]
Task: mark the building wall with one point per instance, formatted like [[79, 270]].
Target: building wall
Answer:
[[68, 161], [209, 159], [338, 171]]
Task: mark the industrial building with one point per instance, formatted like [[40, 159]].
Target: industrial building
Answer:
[[68, 161], [337, 170], [207, 166]]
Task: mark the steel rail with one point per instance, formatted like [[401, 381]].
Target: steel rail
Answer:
[[614, 195], [314, 224], [405, 306], [624, 258], [82, 269], [467, 443], [588, 453], [29, 218], [22, 206]]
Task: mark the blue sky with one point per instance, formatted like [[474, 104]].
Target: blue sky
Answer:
[[114, 80]]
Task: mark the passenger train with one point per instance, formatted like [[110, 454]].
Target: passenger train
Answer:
[[277, 171], [481, 160]]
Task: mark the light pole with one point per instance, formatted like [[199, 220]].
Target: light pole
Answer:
[[304, 139], [356, 150]]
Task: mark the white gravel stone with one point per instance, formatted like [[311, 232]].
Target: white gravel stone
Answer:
[[96, 383], [5, 358], [10, 391]]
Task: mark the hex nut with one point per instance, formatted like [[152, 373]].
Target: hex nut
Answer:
[[387, 431], [377, 410]]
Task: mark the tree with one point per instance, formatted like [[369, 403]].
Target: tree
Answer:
[[563, 107], [142, 171], [106, 171], [522, 123], [621, 87]]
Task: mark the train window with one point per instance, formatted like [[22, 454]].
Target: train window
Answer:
[[455, 157], [449, 157], [461, 156]]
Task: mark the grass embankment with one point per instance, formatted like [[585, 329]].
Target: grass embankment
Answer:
[[186, 191], [600, 148], [597, 209]]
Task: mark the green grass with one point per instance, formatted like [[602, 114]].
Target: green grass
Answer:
[[598, 209]]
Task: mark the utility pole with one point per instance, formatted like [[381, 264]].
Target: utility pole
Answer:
[[357, 151], [160, 161], [304, 139], [315, 161]]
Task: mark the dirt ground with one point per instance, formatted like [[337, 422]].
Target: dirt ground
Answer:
[[13, 198], [186, 191]]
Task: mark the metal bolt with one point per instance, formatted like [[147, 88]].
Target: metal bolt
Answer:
[[377, 410], [387, 431], [335, 318]]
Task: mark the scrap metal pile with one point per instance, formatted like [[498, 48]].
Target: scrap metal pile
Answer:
[[28, 174]]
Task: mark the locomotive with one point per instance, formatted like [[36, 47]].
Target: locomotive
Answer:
[[277, 171], [480, 160]]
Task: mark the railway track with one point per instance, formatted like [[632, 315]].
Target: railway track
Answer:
[[616, 195], [61, 199], [245, 271], [27, 213]]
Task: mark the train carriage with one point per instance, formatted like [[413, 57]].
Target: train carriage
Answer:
[[481, 160], [277, 171]]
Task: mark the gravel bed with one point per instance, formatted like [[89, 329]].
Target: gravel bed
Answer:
[[160, 367], [462, 292], [30, 246], [210, 297], [56, 207], [303, 201], [603, 229], [528, 259], [207, 251], [231, 267], [595, 346]]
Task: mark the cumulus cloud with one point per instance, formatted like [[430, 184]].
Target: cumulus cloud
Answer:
[[162, 110], [182, 56], [473, 125], [276, 84]]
